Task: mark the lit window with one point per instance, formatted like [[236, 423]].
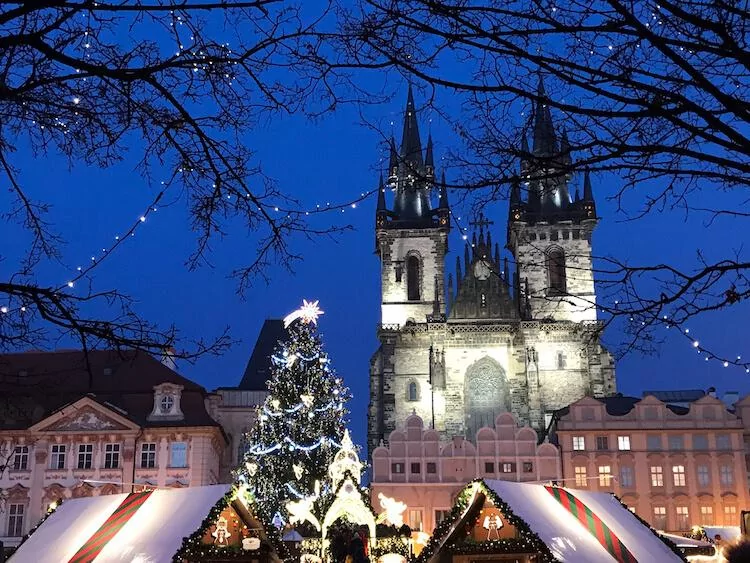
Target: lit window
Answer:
[[415, 519], [678, 472], [657, 476], [397, 467], [579, 443], [21, 458], [726, 475], [605, 476], [660, 517], [602, 443], [148, 456], [561, 360], [683, 520], [507, 468], [441, 515], [178, 454], [15, 520], [85, 456], [623, 443], [704, 477], [580, 474], [111, 456], [707, 515], [730, 515], [626, 476], [57, 459]]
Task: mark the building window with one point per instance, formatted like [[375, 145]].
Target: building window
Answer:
[[507, 468], [579, 443], [605, 476], [528, 467], [412, 278], [178, 454], [626, 476], [111, 456], [441, 515], [657, 476], [15, 520], [416, 468], [700, 442], [431, 467], [556, 270], [653, 442], [676, 442], [704, 477], [730, 515], [707, 515], [683, 519], [489, 467], [580, 474], [602, 443], [723, 442], [397, 468], [57, 459], [21, 458], [726, 475], [660, 517], [148, 456], [678, 472], [166, 404], [415, 519], [85, 456], [561, 360], [623, 443], [413, 391]]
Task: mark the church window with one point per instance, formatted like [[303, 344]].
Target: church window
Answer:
[[556, 270], [413, 391], [561, 358], [486, 395], [412, 278]]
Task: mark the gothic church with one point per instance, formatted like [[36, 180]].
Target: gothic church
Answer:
[[458, 351]]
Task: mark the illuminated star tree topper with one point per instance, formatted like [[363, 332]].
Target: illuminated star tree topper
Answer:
[[308, 313]]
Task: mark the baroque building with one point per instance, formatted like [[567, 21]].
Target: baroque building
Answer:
[[459, 351]]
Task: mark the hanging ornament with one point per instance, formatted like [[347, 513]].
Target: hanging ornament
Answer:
[[298, 471], [275, 403], [306, 399], [221, 534], [290, 359], [252, 468]]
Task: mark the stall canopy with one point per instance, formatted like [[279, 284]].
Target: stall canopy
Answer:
[[545, 523], [146, 527]]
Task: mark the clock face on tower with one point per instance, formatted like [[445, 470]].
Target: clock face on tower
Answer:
[[482, 270]]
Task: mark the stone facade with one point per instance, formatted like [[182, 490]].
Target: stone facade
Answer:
[[457, 356], [674, 466], [416, 468]]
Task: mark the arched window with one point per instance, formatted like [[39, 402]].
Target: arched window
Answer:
[[413, 391], [412, 278], [556, 270]]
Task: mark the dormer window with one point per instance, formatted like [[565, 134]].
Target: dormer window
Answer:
[[167, 402]]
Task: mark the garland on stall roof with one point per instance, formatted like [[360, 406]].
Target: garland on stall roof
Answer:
[[193, 549], [529, 542], [669, 543]]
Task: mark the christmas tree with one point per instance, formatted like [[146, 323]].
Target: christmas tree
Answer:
[[301, 423]]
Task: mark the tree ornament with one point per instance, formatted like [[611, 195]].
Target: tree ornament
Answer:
[[252, 468], [298, 471], [290, 360], [275, 403], [306, 399]]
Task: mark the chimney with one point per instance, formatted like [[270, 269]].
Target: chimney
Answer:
[[167, 358]]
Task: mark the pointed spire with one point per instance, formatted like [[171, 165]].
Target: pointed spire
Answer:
[[436, 300], [565, 148], [381, 195], [480, 244], [524, 145], [506, 271], [428, 158], [588, 193], [577, 196], [467, 258], [450, 292], [474, 248], [411, 146], [443, 203], [489, 244], [544, 132], [459, 275], [515, 193], [497, 256]]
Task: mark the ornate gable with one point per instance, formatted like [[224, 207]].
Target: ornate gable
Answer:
[[84, 415]]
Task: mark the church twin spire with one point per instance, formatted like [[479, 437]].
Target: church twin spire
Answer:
[[411, 174]]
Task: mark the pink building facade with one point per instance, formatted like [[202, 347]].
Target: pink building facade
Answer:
[[419, 470], [674, 466]]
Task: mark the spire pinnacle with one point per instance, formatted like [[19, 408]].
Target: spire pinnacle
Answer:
[[393, 159], [429, 159], [411, 146], [544, 132], [381, 195], [443, 203], [459, 275], [588, 193]]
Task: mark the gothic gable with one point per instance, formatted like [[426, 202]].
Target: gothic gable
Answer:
[[84, 415]]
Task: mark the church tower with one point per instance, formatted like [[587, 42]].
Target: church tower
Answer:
[[548, 233], [412, 238]]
